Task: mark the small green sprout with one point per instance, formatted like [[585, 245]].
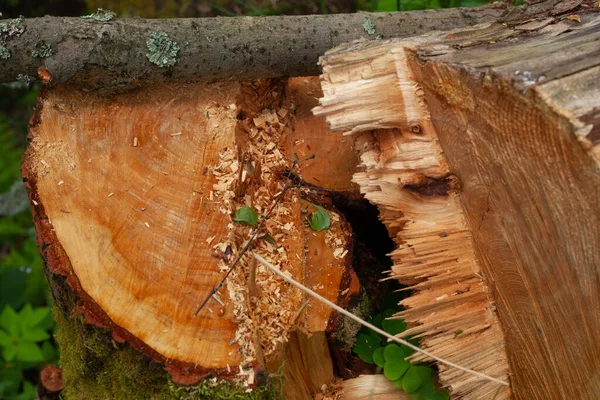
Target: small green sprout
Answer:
[[42, 50], [369, 27], [162, 51], [246, 215], [374, 349], [101, 15], [319, 219]]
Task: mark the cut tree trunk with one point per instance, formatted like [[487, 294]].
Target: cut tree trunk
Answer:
[[133, 198], [482, 150]]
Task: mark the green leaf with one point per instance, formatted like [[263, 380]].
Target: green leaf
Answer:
[[5, 339], [376, 320], [9, 320], [387, 5], [29, 392], [425, 392], [35, 335], [10, 380], [50, 353], [37, 316], [394, 326], [364, 347], [441, 395], [29, 352], [393, 370], [12, 286], [393, 352], [9, 353], [319, 219], [246, 215], [407, 350], [415, 377], [378, 357]]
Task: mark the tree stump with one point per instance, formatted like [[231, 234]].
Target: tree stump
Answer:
[[133, 197], [481, 149]]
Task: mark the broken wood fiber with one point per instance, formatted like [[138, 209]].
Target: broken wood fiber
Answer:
[[506, 259]]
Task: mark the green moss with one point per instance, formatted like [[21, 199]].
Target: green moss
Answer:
[[348, 328], [162, 51], [221, 390], [4, 53], [101, 15], [95, 367], [42, 50]]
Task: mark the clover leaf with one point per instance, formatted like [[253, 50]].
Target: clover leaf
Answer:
[[393, 370], [378, 357], [319, 219], [246, 215], [416, 376], [365, 346]]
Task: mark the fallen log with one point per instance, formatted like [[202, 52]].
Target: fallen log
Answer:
[[112, 54], [135, 195], [481, 150]]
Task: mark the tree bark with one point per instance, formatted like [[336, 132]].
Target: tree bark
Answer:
[[486, 171], [113, 54]]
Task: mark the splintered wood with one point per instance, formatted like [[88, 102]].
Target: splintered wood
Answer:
[[134, 197], [402, 171]]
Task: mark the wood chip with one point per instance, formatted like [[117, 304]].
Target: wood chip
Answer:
[[60, 183], [210, 239], [147, 224], [110, 194], [176, 134], [135, 141]]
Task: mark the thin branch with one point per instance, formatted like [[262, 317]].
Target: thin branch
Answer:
[[288, 186], [370, 326]]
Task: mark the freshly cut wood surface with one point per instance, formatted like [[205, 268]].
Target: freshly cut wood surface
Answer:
[[133, 195], [515, 110], [520, 130], [372, 387], [403, 172]]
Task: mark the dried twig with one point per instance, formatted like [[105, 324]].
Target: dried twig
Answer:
[[339, 309], [263, 218]]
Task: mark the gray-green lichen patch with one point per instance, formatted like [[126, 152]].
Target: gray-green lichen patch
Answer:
[[101, 15], [12, 27], [369, 27], [42, 50], [24, 78], [4, 53], [162, 51]]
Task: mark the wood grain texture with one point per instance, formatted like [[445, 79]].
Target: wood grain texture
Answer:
[[516, 121], [122, 189], [374, 387], [403, 172]]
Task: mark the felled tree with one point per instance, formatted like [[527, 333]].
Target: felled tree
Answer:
[[136, 191]]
